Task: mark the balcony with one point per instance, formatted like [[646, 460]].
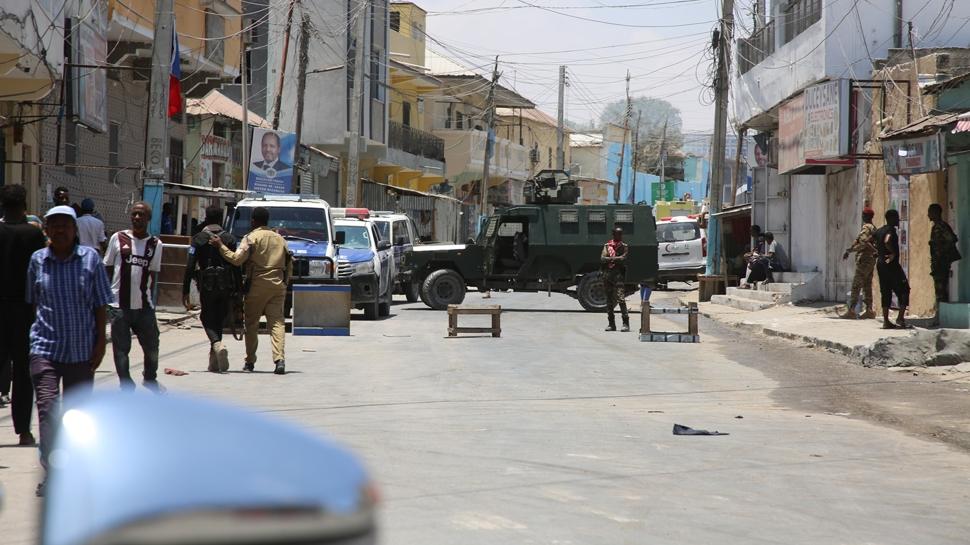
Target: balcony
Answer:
[[415, 141], [756, 48], [465, 153]]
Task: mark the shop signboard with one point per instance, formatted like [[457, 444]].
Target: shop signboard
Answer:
[[913, 155], [89, 48], [813, 128]]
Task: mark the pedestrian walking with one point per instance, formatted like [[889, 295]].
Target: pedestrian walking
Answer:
[[62, 197], [133, 260], [90, 229], [892, 277], [217, 281], [865, 252], [68, 286], [18, 241], [268, 265], [613, 258], [943, 252]]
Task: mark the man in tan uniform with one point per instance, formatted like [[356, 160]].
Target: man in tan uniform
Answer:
[[268, 266]]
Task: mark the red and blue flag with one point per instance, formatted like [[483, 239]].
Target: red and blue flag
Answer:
[[175, 79]]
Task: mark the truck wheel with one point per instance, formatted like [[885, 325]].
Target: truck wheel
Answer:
[[412, 291], [372, 310], [442, 288], [384, 308], [591, 292]]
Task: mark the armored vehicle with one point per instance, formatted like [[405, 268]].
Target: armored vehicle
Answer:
[[546, 245]]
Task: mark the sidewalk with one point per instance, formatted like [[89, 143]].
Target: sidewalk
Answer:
[[816, 324]]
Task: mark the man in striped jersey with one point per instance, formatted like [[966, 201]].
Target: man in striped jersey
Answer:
[[133, 260]]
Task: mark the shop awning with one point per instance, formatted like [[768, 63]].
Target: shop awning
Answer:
[[216, 103], [732, 211], [963, 124], [187, 190], [924, 126]]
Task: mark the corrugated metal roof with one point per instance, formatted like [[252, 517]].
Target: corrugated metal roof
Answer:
[[216, 103], [586, 140], [532, 114], [921, 127]]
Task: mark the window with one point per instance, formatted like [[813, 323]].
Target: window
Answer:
[[569, 215], [406, 114], [113, 144], [175, 155], [396, 21], [549, 158], [624, 216], [678, 232], [799, 15], [596, 216], [459, 123], [451, 110], [376, 81], [215, 31], [401, 235]]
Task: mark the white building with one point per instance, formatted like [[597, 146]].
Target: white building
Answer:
[[808, 196]]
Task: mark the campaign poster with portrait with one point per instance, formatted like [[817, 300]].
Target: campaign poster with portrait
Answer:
[[271, 161]]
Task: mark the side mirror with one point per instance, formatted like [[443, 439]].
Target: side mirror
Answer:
[[340, 237], [190, 485], [383, 245]]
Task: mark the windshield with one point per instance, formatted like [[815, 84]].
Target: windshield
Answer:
[[677, 232], [357, 236], [298, 223]]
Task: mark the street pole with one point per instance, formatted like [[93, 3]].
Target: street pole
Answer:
[[353, 147], [626, 129], [721, 90], [300, 92], [489, 139], [156, 166], [277, 103], [736, 179], [663, 164], [244, 68], [560, 130], [636, 158]]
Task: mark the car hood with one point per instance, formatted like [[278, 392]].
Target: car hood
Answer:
[[437, 247], [353, 255], [302, 248]]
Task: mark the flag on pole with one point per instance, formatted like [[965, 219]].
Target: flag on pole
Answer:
[[175, 79]]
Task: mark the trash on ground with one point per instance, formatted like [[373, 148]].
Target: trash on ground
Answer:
[[685, 430], [175, 372]]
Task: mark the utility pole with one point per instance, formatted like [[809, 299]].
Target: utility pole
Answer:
[[353, 147], [489, 138], [300, 91], [736, 179], [244, 69], [626, 129], [560, 129], [636, 158], [663, 161], [156, 165], [286, 50], [722, 40]]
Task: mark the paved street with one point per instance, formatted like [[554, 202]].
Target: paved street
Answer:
[[561, 433]]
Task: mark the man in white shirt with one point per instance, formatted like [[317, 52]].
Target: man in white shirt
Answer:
[[133, 260], [90, 230]]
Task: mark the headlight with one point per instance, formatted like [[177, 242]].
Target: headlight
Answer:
[[364, 267], [321, 267]]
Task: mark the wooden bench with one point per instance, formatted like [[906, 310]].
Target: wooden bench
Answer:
[[690, 336], [455, 310]]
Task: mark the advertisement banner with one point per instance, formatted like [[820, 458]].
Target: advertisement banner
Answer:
[[899, 200], [90, 48], [273, 154], [791, 127], [826, 121], [913, 155]]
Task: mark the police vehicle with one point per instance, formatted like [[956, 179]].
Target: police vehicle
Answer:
[[400, 230], [364, 259]]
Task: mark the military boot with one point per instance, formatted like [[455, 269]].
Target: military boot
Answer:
[[222, 357]]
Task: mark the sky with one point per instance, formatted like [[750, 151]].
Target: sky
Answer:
[[663, 43]]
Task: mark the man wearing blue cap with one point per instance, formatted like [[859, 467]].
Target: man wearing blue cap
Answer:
[[68, 286], [90, 229]]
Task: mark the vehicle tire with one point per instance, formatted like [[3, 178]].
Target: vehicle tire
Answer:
[[412, 291], [591, 292], [372, 310], [442, 288], [384, 307]]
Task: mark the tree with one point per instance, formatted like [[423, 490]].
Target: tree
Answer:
[[654, 112]]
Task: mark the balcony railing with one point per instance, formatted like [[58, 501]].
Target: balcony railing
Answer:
[[415, 141], [799, 15], [756, 48]]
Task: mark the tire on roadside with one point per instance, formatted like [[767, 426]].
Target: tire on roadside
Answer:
[[442, 288], [591, 292]]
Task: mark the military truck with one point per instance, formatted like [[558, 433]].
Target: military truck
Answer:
[[546, 245]]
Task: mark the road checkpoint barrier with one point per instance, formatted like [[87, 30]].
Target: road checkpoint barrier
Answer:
[[691, 336], [321, 309], [456, 310]]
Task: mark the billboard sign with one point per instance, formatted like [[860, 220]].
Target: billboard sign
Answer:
[[272, 156], [913, 155], [813, 128], [90, 48]]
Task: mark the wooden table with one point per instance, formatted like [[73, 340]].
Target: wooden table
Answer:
[[455, 310]]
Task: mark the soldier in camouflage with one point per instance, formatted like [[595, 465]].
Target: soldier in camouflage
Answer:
[[943, 252], [613, 258], [865, 263]]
